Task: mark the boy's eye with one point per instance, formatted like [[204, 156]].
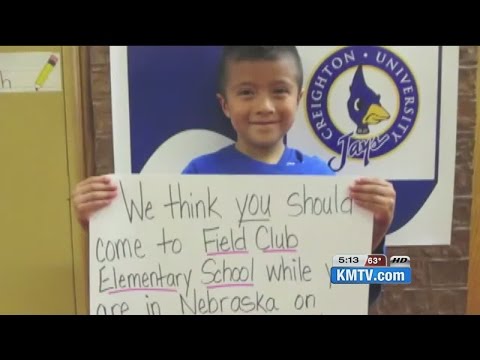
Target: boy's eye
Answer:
[[281, 91], [245, 92]]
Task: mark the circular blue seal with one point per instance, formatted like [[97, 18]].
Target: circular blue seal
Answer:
[[362, 102]]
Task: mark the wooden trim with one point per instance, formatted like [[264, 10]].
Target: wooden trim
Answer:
[[87, 111], [473, 297], [79, 154]]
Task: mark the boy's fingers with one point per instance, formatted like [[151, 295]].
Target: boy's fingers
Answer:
[[372, 180], [93, 206], [94, 180], [370, 198], [91, 187], [373, 207], [373, 189], [381, 202], [95, 196], [97, 179]]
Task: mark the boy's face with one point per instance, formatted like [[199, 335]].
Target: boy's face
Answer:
[[261, 98]]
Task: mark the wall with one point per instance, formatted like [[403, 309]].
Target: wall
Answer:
[[40, 267], [439, 272]]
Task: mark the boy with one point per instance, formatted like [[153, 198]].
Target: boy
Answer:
[[260, 88]]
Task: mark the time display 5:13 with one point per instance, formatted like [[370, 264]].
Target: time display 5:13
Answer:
[[348, 260]]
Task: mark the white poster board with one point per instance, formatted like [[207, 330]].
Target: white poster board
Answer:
[[173, 244]]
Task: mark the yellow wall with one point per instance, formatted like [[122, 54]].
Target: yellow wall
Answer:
[[37, 270]]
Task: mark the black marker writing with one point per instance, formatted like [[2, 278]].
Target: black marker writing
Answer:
[[115, 309], [257, 207], [143, 211], [220, 272], [112, 250], [225, 304], [4, 81], [268, 240], [174, 245], [191, 208], [153, 307], [292, 270], [304, 204], [218, 243], [305, 302]]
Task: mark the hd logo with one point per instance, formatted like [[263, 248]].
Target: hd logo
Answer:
[[399, 261]]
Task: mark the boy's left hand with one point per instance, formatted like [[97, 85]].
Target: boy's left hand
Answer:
[[378, 196]]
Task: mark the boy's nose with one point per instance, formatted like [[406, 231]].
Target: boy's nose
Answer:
[[265, 105]]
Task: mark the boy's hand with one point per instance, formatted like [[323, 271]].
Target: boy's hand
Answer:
[[378, 196], [91, 195]]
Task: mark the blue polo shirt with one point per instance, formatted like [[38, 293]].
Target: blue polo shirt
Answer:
[[231, 161]]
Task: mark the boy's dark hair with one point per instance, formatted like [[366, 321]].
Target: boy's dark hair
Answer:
[[239, 53]]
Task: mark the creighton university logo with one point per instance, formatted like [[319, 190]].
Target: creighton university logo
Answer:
[[362, 102]]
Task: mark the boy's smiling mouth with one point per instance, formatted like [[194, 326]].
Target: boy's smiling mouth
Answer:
[[264, 123]]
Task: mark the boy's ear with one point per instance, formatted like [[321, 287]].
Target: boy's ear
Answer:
[[300, 94], [223, 104]]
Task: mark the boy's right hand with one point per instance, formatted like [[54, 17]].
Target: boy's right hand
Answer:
[[91, 195]]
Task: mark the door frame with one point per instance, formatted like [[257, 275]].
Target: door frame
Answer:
[[80, 155], [473, 293]]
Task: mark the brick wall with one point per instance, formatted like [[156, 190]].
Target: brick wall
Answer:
[[439, 272], [102, 108]]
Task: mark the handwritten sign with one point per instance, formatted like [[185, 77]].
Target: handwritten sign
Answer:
[[207, 244]]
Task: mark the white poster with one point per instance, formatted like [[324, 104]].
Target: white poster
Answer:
[[191, 245]]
